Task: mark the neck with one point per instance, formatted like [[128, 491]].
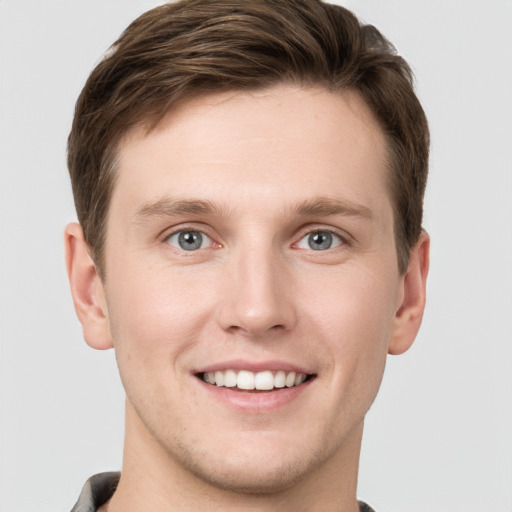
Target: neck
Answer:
[[152, 480]]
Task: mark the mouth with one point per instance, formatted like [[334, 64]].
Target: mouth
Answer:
[[248, 381]]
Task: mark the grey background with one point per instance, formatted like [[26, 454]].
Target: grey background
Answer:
[[439, 435]]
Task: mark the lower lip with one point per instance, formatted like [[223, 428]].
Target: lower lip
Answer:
[[252, 401]]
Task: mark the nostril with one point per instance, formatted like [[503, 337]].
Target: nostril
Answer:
[[255, 330]]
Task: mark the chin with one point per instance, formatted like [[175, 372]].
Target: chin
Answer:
[[252, 466], [254, 477]]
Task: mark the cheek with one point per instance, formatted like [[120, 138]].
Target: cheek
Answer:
[[355, 317], [154, 303], [359, 302], [158, 316], [153, 319]]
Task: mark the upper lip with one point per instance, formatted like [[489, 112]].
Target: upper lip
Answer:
[[253, 366]]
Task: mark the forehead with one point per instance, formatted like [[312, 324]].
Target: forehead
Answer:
[[285, 144]]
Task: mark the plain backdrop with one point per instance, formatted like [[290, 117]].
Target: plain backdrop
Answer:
[[438, 438]]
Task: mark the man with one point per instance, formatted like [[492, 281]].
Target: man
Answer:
[[248, 177]]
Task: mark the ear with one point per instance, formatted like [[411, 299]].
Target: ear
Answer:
[[410, 309], [87, 289]]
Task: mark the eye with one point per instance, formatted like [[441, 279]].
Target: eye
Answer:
[[320, 241], [189, 240]]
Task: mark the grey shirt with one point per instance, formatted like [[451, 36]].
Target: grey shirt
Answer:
[[100, 488]]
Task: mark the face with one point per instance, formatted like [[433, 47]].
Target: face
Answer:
[[251, 281]]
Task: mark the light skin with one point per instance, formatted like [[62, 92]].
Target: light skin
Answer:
[[246, 233]]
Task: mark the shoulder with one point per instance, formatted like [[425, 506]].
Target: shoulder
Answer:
[[363, 507], [97, 490]]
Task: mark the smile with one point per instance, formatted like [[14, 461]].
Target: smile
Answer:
[[246, 380]]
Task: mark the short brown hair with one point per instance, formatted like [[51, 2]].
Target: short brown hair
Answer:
[[195, 47]]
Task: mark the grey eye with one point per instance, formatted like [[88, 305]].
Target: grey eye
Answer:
[[320, 241], [189, 240]]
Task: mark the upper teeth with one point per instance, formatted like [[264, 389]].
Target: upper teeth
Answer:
[[244, 379]]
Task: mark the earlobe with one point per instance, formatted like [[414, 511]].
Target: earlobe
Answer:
[[410, 310], [86, 289]]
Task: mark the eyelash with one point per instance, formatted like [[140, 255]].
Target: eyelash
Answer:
[[343, 239], [191, 229]]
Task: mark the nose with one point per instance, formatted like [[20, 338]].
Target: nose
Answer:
[[257, 291]]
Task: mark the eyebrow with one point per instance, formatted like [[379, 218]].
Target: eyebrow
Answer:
[[332, 206], [171, 207]]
